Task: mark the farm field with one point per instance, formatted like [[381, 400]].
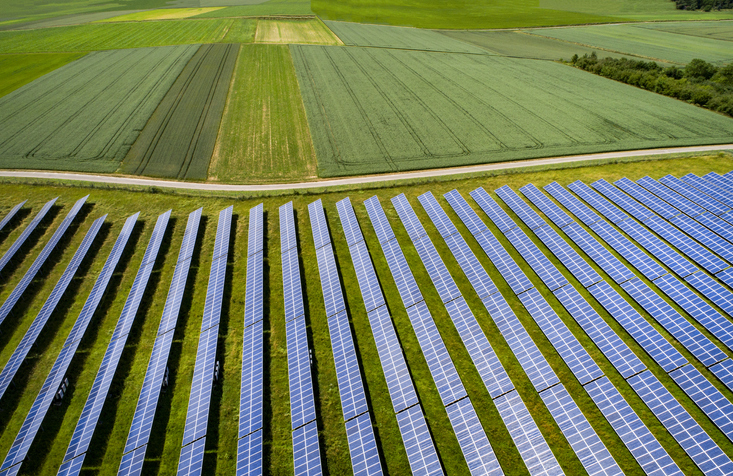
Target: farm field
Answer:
[[517, 44], [264, 131], [162, 14], [220, 458], [179, 137], [646, 42], [636, 10], [258, 8], [717, 30], [65, 20], [116, 35], [85, 115], [377, 110], [309, 32], [381, 36], [18, 70]]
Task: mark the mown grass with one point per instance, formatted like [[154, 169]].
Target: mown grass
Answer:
[[264, 133], [164, 449], [18, 70]]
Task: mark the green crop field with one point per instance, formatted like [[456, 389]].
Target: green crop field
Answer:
[[85, 115], [356, 34], [378, 110], [264, 133], [518, 44], [109, 36], [18, 70], [179, 138], [257, 8], [162, 14], [164, 447], [304, 32], [718, 30], [645, 42]]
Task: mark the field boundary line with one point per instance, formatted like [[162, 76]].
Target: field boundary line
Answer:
[[368, 179]]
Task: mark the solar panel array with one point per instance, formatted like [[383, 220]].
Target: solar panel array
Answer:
[[142, 421], [306, 446], [8, 255], [471, 436], [533, 448], [87, 423], [421, 452], [11, 214], [647, 337], [249, 446], [363, 450], [26, 280], [21, 351], [32, 423], [197, 417]]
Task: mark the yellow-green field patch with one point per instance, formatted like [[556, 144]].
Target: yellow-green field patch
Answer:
[[18, 70], [264, 133], [308, 32], [162, 14]]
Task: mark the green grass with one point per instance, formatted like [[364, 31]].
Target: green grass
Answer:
[[106, 447], [646, 42], [19, 70], [179, 137], [264, 132], [518, 44], [271, 7], [17, 11], [377, 110], [717, 30], [355, 34], [98, 36], [85, 115]]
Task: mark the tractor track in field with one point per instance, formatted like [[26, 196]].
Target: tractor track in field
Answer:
[[356, 180]]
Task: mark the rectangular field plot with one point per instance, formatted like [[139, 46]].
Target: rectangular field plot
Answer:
[[382, 36], [85, 115], [162, 14], [18, 70], [378, 110], [652, 43], [306, 32], [717, 30], [264, 131], [179, 138], [108, 36]]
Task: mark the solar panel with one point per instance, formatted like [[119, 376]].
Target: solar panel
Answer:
[[419, 445], [405, 281], [706, 237], [26, 280], [492, 209], [379, 220], [472, 268], [523, 211], [526, 435], [618, 271], [596, 201], [628, 204], [191, 461], [695, 196], [319, 227], [547, 272], [407, 215], [472, 439], [570, 258], [197, 417], [439, 218], [363, 447], [333, 298], [132, 463], [629, 250], [726, 276], [22, 349], [255, 238], [349, 223], [8, 255], [215, 292], [302, 405], [569, 201], [547, 206], [253, 294], [645, 448], [87, 422], [632, 188], [524, 348], [583, 439], [717, 180], [306, 451], [249, 454], [715, 224], [567, 345], [724, 371], [640, 330], [250, 393], [351, 388], [439, 274], [691, 437], [475, 225], [670, 196], [718, 408], [704, 186], [288, 236], [612, 346], [368, 283], [11, 214], [712, 290], [696, 307]]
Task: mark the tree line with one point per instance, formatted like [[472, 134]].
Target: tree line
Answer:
[[698, 83], [705, 5]]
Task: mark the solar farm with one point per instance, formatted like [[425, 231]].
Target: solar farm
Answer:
[[541, 328]]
